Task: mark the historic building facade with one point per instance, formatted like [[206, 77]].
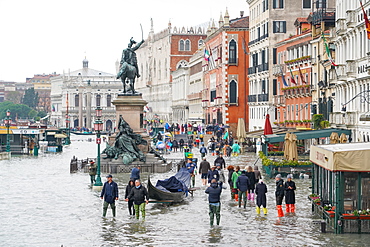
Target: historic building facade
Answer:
[[161, 54], [270, 22], [225, 77], [76, 94], [292, 71], [351, 105]]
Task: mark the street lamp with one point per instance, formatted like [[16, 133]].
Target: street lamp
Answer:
[[8, 120], [98, 126], [68, 141]]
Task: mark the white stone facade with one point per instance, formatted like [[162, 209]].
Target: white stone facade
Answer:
[[353, 73]]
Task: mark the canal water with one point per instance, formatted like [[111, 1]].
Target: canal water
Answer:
[[42, 204]]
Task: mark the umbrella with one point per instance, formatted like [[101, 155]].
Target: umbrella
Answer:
[[240, 131], [286, 146], [334, 138], [268, 128], [293, 151], [343, 138]]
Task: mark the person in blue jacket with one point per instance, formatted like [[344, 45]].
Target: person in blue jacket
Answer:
[[191, 169], [214, 192], [213, 174], [243, 185], [135, 173], [110, 195]]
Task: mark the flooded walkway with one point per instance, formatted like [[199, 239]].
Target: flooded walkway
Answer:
[[42, 204]]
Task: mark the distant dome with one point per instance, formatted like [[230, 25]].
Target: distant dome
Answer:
[[85, 63]]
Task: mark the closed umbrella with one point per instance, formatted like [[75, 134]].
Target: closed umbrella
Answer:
[[268, 128], [334, 138], [343, 138], [240, 131], [287, 146], [293, 151]]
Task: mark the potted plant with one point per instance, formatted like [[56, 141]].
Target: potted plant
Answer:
[[364, 214], [317, 201]]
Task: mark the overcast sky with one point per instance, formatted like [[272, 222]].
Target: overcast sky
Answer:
[[45, 36]]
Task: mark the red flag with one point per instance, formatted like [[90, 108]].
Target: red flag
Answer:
[[367, 22], [292, 77], [302, 78]]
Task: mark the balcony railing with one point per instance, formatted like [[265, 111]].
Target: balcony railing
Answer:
[[344, 120], [351, 68], [351, 18], [279, 100], [297, 92], [263, 97], [341, 26], [252, 98], [251, 70]]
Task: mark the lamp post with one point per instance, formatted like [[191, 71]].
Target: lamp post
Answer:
[[7, 124], [98, 126], [68, 140]]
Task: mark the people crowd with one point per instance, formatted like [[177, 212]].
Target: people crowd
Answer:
[[246, 184]]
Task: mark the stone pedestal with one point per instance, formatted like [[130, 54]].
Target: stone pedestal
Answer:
[[131, 107]]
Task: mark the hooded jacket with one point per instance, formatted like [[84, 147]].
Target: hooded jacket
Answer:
[[220, 160], [129, 187], [214, 192], [213, 174]]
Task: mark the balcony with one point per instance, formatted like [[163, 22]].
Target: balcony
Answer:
[[297, 92], [263, 97], [251, 70], [347, 119], [278, 100], [277, 69], [350, 18], [351, 68], [252, 98], [341, 72], [341, 27]]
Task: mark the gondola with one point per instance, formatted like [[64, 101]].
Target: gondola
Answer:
[[161, 195]]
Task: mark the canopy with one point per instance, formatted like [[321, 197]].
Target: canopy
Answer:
[[268, 128], [353, 157]]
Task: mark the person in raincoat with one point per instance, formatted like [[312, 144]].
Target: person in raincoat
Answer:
[[290, 194], [279, 194], [242, 184], [231, 170], [234, 178], [261, 190], [252, 180], [129, 187], [235, 149], [214, 192]]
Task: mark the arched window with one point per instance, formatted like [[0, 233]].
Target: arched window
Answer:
[[232, 52], [200, 43], [233, 97], [181, 45], [109, 100], [98, 98], [187, 45], [77, 100]]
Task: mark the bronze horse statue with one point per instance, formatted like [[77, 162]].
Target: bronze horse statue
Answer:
[[128, 74]]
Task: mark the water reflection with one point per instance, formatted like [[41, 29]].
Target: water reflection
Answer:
[[215, 235]]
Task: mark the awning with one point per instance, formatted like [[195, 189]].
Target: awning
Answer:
[[259, 133], [310, 134], [353, 157], [60, 136]]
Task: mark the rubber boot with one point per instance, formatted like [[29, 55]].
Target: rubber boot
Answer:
[[264, 211], [236, 197], [287, 208], [252, 197], [105, 212], [249, 196], [218, 218], [114, 211], [258, 210], [280, 211], [292, 208], [245, 204]]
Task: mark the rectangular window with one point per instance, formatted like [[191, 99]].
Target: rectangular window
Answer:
[[278, 4], [274, 87], [306, 4], [213, 95], [274, 56], [279, 26]]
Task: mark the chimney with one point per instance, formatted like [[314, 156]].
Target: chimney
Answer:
[[241, 14]]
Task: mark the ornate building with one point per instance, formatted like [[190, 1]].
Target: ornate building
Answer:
[[161, 54], [76, 94]]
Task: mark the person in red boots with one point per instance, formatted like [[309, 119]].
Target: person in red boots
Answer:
[[279, 194], [290, 194]]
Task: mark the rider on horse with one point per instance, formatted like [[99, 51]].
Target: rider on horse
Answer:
[[129, 56]]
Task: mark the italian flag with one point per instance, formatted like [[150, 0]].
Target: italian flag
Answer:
[[328, 51], [206, 55]]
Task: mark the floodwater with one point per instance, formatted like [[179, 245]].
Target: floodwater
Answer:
[[42, 204]]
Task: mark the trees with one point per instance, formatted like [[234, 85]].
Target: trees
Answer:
[[19, 110], [30, 98]]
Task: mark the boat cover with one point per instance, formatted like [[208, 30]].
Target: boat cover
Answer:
[[180, 182]]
